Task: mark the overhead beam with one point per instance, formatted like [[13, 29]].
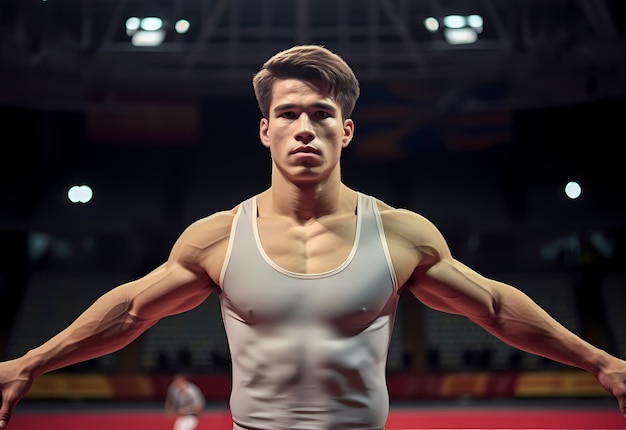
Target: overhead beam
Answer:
[[405, 35], [208, 27], [599, 17]]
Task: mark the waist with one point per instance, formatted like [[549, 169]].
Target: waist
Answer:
[[239, 426]]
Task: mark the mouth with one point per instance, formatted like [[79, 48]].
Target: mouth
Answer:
[[306, 150]]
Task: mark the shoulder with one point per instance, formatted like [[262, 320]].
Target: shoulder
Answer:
[[404, 221], [197, 389], [213, 227], [410, 229], [205, 233], [201, 247], [216, 223], [208, 229]]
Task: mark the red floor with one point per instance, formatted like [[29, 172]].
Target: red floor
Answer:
[[400, 419]]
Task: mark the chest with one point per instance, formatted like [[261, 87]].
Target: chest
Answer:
[[339, 274], [315, 247]]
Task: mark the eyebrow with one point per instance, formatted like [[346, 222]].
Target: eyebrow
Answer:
[[320, 105]]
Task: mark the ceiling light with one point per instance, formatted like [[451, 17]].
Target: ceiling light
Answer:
[[181, 26], [148, 38], [454, 21], [431, 24], [460, 36], [132, 23], [151, 23]]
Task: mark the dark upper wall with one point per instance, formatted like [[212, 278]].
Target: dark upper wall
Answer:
[[508, 194]]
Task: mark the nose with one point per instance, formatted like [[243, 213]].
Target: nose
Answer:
[[304, 129]]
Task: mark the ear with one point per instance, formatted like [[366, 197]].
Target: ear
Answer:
[[264, 132], [348, 132]]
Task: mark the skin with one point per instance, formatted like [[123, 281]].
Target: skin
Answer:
[[307, 225]]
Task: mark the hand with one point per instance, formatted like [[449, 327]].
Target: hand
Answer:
[[14, 386], [612, 376]]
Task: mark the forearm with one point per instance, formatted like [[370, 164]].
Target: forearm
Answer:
[[104, 327], [520, 322]]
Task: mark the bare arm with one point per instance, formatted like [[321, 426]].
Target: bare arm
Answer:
[[516, 319], [441, 282], [504, 311], [121, 315]]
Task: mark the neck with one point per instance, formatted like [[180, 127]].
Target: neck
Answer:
[[307, 200]]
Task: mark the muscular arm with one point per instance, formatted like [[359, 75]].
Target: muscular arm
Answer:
[[504, 311], [443, 283], [121, 315]]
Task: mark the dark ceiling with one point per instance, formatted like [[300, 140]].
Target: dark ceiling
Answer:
[[57, 53]]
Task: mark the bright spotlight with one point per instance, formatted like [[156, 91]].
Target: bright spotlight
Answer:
[[460, 36], [475, 21], [573, 190], [431, 24], [151, 23], [148, 38], [454, 21], [80, 194], [462, 30], [132, 23], [181, 26]]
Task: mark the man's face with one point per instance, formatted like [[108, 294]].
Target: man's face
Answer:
[[305, 131], [180, 383]]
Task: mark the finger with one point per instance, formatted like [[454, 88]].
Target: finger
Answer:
[[5, 414], [4, 421]]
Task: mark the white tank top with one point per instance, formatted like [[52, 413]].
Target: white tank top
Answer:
[[309, 351]]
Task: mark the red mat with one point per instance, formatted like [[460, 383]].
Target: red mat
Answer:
[[507, 419], [440, 419]]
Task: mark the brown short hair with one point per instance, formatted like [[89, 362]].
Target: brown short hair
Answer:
[[310, 63]]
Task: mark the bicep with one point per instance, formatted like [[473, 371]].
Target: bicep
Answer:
[[452, 287], [433, 276], [184, 280], [170, 289]]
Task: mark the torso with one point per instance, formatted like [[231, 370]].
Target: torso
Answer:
[[309, 329]]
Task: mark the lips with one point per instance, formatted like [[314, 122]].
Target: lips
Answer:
[[306, 150]]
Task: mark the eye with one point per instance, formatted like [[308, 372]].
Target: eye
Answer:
[[288, 115], [322, 114]]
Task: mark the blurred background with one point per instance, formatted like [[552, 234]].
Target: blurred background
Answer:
[[123, 121]]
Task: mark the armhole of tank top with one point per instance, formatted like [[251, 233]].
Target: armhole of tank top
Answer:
[[231, 241], [383, 242]]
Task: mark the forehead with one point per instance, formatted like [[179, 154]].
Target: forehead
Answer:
[[297, 90]]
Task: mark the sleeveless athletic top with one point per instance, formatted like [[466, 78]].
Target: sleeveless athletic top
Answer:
[[185, 398], [309, 351]]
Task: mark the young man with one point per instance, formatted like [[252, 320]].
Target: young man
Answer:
[[309, 273], [185, 400]]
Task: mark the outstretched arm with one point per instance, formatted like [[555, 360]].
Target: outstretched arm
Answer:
[[121, 315], [516, 319], [441, 282], [112, 322]]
